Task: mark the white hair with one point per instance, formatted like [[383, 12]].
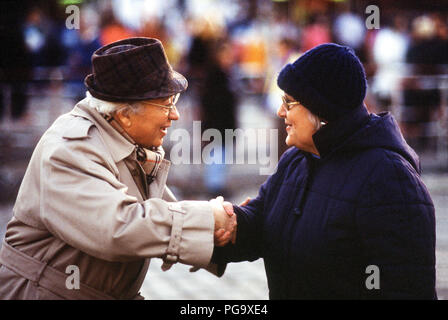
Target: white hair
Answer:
[[317, 122], [108, 107]]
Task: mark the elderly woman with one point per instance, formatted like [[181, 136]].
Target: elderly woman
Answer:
[[346, 215], [93, 207]]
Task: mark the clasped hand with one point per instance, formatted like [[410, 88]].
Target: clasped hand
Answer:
[[225, 221]]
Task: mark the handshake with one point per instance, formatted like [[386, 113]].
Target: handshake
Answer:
[[225, 221]]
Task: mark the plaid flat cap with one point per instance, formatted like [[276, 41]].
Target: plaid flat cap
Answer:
[[133, 69]]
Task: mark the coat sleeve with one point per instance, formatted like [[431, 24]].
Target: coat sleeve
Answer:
[[84, 204], [396, 224], [250, 219], [249, 232]]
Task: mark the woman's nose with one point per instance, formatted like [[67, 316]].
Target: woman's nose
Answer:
[[281, 112]]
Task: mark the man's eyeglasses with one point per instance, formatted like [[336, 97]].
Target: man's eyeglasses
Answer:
[[287, 105], [167, 107]]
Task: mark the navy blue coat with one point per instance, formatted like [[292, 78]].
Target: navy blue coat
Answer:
[[318, 223]]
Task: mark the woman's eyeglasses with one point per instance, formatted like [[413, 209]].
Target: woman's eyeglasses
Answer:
[[287, 105]]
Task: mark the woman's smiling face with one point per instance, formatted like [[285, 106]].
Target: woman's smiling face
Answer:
[[299, 126]]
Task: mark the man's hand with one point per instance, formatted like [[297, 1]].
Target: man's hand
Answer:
[[225, 221], [229, 209]]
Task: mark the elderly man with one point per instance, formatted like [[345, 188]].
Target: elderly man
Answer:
[[93, 202]]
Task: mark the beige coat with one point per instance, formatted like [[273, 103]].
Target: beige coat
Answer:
[[83, 202]]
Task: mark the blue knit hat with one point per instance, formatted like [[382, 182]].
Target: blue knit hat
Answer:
[[329, 80]]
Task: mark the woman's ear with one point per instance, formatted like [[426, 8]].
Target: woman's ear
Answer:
[[123, 117]]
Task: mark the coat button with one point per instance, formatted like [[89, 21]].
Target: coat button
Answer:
[[297, 212]]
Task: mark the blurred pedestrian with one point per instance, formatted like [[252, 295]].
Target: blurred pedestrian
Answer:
[[316, 32], [218, 102], [94, 195], [421, 101], [389, 54], [15, 59], [429, 44], [112, 30], [80, 45], [42, 37], [349, 30], [347, 197]]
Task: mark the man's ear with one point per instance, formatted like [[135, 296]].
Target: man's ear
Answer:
[[123, 117]]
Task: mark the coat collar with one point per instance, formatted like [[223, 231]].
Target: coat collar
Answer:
[[120, 148], [333, 135]]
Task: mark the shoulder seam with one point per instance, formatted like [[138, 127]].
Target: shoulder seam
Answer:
[[78, 133]]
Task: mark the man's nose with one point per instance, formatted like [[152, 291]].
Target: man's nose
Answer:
[[174, 114]]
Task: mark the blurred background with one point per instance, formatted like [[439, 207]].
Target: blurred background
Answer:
[[231, 52]]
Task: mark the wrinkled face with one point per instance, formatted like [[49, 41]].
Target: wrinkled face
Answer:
[[299, 126], [148, 125]]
